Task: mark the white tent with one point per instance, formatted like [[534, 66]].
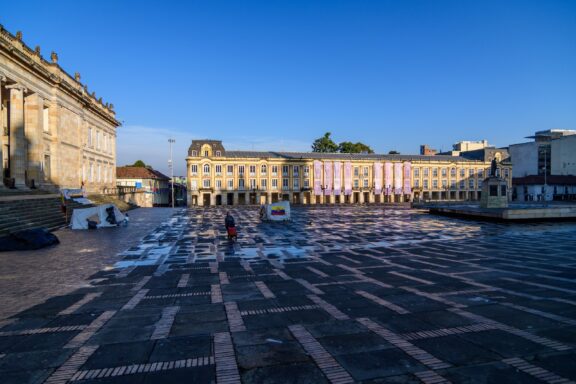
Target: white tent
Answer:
[[98, 214], [278, 211]]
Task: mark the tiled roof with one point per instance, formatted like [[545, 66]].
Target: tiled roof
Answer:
[[139, 173], [340, 156]]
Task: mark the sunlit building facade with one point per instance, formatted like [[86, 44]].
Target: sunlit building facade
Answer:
[[220, 177]]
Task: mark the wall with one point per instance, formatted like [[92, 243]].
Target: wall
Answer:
[[524, 159], [564, 156]]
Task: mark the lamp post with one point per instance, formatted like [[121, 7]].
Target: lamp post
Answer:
[[171, 141]]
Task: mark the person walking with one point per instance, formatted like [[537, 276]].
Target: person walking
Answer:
[[230, 225]]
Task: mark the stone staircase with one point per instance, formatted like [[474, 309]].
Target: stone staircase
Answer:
[[33, 211]]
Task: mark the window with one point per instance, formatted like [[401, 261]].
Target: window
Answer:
[[471, 184], [194, 185], [46, 120], [252, 170], [471, 172], [296, 170], [274, 170], [229, 170], [89, 137], [206, 183], [503, 190], [306, 171], [462, 172], [194, 169], [356, 171], [252, 183], [206, 153], [365, 171], [425, 183], [296, 183], [416, 183], [453, 172], [356, 182], [240, 184], [98, 139], [230, 184], [365, 183], [263, 183], [206, 169], [416, 172], [443, 172], [274, 183], [218, 153], [194, 153], [241, 170], [481, 173], [218, 184], [444, 183], [480, 184], [285, 170], [99, 173], [218, 170], [462, 184], [105, 174], [426, 172], [493, 190], [263, 169], [434, 172], [506, 173], [435, 184], [306, 183], [285, 183], [452, 184]]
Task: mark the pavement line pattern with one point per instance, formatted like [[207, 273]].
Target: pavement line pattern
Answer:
[[223, 276], [515, 331], [86, 299], [399, 342], [234, 317], [553, 287], [348, 259], [374, 281], [327, 364], [36, 331], [90, 330], [332, 310], [247, 267], [427, 282], [215, 294], [384, 303], [431, 377], [278, 310], [319, 273], [537, 312], [213, 267], [174, 295], [225, 357], [162, 327], [183, 282], [447, 331], [282, 274], [309, 286], [263, 288], [141, 283], [433, 296], [67, 370], [537, 372], [123, 370], [133, 302]]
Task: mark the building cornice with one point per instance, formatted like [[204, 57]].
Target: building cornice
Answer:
[[50, 72]]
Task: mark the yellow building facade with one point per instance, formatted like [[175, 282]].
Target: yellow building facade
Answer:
[[220, 177]]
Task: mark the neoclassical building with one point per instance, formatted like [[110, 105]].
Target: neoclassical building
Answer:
[[53, 132], [220, 177]]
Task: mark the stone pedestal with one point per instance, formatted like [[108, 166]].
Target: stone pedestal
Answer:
[[494, 193]]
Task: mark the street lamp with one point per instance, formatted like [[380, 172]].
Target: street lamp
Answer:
[[171, 166]]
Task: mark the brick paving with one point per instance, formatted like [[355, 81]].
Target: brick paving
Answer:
[[338, 295]]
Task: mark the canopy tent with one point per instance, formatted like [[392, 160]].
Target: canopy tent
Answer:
[[106, 215], [278, 211]]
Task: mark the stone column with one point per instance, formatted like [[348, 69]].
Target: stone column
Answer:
[[33, 135], [18, 155], [2, 80], [235, 199]]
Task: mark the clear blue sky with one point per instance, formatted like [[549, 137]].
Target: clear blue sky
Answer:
[[278, 74]]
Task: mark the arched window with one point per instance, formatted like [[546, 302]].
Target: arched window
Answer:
[[206, 169], [218, 153], [194, 153], [263, 169]]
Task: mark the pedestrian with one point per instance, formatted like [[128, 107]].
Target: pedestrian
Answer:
[[230, 226]]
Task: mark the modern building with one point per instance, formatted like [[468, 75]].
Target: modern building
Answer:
[[220, 177], [154, 184], [53, 132], [545, 168], [425, 150]]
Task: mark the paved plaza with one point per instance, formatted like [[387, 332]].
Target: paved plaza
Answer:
[[339, 295]]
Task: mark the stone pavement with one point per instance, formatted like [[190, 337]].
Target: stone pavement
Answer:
[[339, 295]]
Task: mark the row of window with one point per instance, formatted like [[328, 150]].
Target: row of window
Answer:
[[100, 141], [98, 173], [453, 185], [444, 172], [206, 153]]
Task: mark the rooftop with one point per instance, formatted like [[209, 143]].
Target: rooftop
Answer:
[[139, 173]]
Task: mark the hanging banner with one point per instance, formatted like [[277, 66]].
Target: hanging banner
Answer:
[[337, 178], [377, 178], [407, 178], [317, 177], [328, 178], [347, 178], [397, 178], [388, 178]]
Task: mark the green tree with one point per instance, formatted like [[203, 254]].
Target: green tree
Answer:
[[139, 163], [393, 153], [324, 144], [349, 147]]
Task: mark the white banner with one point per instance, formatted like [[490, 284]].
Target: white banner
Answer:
[[337, 178]]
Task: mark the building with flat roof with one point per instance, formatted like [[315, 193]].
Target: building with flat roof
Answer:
[[217, 176]]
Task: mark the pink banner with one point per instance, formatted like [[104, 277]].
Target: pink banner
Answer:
[[347, 178], [317, 177], [337, 178], [328, 178], [407, 178], [397, 178], [377, 178], [388, 178]]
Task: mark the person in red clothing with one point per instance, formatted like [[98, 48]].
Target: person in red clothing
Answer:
[[230, 226]]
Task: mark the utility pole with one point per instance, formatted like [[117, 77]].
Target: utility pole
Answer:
[[171, 141], [545, 172]]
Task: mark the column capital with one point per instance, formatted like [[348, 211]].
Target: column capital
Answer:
[[3, 77], [18, 87]]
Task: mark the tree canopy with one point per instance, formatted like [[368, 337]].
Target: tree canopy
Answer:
[[141, 164], [324, 144], [393, 153]]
